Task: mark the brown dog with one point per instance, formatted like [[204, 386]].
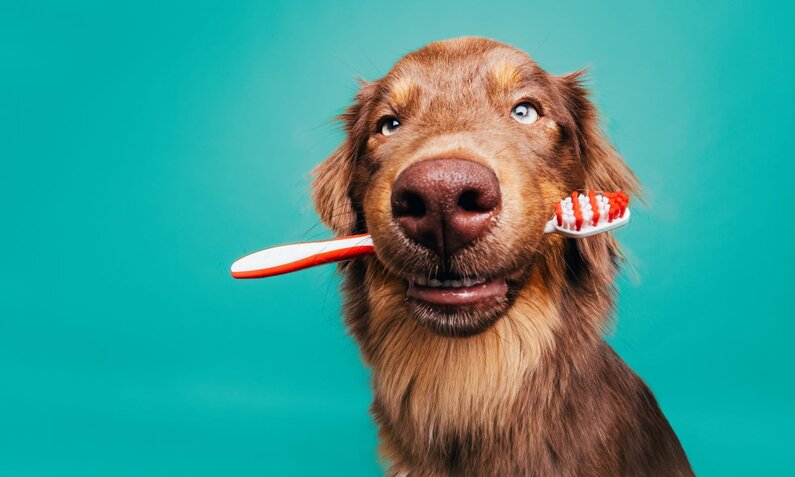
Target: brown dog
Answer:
[[484, 334]]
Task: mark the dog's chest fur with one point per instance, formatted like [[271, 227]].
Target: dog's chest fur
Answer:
[[538, 394]]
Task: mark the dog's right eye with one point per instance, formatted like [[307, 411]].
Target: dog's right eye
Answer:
[[389, 125]]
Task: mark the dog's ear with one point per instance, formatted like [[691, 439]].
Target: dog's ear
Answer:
[[594, 260], [331, 190], [333, 178], [604, 168]]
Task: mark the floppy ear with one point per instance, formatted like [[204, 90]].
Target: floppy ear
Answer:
[[333, 178], [597, 257], [331, 190], [604, 168]]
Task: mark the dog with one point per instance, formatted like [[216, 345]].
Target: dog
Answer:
[[485, 335]]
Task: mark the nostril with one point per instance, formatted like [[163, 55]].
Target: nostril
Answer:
[[469, 202], [476, 200], [408, 204]]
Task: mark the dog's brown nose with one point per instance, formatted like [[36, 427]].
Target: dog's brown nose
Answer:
[[445, 204]]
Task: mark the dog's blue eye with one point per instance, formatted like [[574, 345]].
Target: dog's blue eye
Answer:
[[389, 126], [524, 113]]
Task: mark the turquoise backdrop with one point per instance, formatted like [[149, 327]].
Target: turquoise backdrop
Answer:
[[146, 145]]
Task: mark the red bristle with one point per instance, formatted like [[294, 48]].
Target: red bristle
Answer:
[[577, 212], [558, 213], [614, 208], [594, 206], [624, 203], [611, 213]]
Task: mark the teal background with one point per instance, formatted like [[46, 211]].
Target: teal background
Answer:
[[146, 145]]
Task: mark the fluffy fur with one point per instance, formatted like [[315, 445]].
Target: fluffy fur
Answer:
[[538, 392]]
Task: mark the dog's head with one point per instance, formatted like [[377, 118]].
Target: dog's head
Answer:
[[452, 162]]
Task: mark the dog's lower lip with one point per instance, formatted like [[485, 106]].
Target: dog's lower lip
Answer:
[[493, 288]]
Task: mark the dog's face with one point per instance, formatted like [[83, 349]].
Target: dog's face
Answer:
[[452, 162]]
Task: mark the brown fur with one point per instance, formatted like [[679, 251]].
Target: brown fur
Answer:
[[538, 392]]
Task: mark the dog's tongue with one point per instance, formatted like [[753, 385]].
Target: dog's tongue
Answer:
[[494, 288]]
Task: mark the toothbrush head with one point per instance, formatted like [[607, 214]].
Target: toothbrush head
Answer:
[[591, 213]]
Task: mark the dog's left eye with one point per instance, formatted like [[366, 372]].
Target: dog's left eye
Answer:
[[524, 113], [389, 125]]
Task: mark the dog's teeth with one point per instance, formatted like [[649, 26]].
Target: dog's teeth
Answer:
[[435, 283]]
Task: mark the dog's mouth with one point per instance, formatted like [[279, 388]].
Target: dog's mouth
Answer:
[[455, 290], [458, 305]]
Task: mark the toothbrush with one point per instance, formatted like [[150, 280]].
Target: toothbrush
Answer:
[[577, 216]]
